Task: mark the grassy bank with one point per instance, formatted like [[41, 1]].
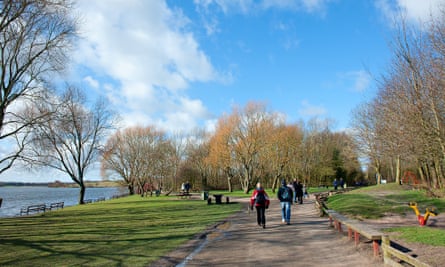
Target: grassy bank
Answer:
[[130, 231], [378, 201]]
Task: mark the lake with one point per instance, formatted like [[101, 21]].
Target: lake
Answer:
[[16, 197]]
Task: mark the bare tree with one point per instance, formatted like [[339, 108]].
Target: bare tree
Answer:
[[283, 148], [35, 37], [220, 155], [366, 133], [140, 156], [197, 152], [179, 142], [240, 140], [71, 140]]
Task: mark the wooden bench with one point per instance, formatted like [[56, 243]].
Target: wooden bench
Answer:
[[355, 229], [56, 205], [183, 194], [33, 209]]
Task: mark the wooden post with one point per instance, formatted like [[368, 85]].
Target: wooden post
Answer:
[[375, 246], [387, 242], [356, 237]]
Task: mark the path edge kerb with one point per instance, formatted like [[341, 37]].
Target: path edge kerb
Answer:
[[177, 255]]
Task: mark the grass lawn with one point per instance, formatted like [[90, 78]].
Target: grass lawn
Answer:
[[131, 231], [375, 201]]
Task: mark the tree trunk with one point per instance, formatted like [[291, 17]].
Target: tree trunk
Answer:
[[229, 183], [398, 169], [275, 184], [130, 189], [82, 194]]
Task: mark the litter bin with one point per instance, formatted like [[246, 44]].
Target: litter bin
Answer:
[[205, 195]]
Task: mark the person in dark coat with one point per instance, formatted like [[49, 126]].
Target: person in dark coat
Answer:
[[299, 192]]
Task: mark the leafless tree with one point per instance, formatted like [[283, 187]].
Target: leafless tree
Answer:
[[71, 140], [197, 152], [35, 38], [366, 134], [283, 152], [140, 156], [179, 141], [406, 120]]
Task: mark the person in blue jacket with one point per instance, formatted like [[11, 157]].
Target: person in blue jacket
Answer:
[[285, 195]]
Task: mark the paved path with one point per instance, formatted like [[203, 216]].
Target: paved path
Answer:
[[308, 241]]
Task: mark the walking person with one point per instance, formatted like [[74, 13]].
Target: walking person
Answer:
[[299, 192], [335, 184], [261, 201], [305, 193], [285, 196], [295, 185]]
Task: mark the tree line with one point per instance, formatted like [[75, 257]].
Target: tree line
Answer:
[[250, 144], [401, 131]]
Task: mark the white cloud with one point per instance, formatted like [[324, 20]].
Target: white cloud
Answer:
[[309, 110], [148, 59], [314, 5], [357, 81], [352, 81], [249, 6], [414, 10], [91, 82]]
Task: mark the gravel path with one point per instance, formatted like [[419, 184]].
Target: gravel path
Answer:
[[308, 241]]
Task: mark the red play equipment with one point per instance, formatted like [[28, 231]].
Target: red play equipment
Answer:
[[422, 218]]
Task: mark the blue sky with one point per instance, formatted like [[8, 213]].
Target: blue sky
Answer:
[[181, 64]]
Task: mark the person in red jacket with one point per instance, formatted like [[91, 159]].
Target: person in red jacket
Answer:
[[261, 201]]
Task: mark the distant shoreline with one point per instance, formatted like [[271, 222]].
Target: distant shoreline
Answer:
[[59, 184]]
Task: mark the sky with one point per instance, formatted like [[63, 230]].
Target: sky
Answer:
[[181, 64]]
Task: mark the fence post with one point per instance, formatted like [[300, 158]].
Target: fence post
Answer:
[[387, 242]]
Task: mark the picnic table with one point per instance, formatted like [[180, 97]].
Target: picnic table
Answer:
[[218, 198]]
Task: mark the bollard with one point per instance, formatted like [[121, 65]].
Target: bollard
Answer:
[[209, 201], [227, 200]]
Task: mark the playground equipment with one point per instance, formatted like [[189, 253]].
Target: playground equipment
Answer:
[[422, 218]]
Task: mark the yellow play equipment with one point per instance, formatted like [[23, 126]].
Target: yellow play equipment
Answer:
[[422, 218]]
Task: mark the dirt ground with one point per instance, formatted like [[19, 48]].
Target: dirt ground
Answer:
[[432, 255], [308, 241]]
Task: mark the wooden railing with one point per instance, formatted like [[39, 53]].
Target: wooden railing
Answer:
[[391, 255]]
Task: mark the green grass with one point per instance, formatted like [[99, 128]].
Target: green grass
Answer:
[[130, 231], [423, 235], [378, 201]]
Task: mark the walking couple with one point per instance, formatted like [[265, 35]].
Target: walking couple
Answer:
[[260, 200]]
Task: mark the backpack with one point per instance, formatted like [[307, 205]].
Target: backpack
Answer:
[[260, 198], [285, 194]]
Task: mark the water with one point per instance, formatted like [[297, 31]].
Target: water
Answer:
[[16, 197]]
